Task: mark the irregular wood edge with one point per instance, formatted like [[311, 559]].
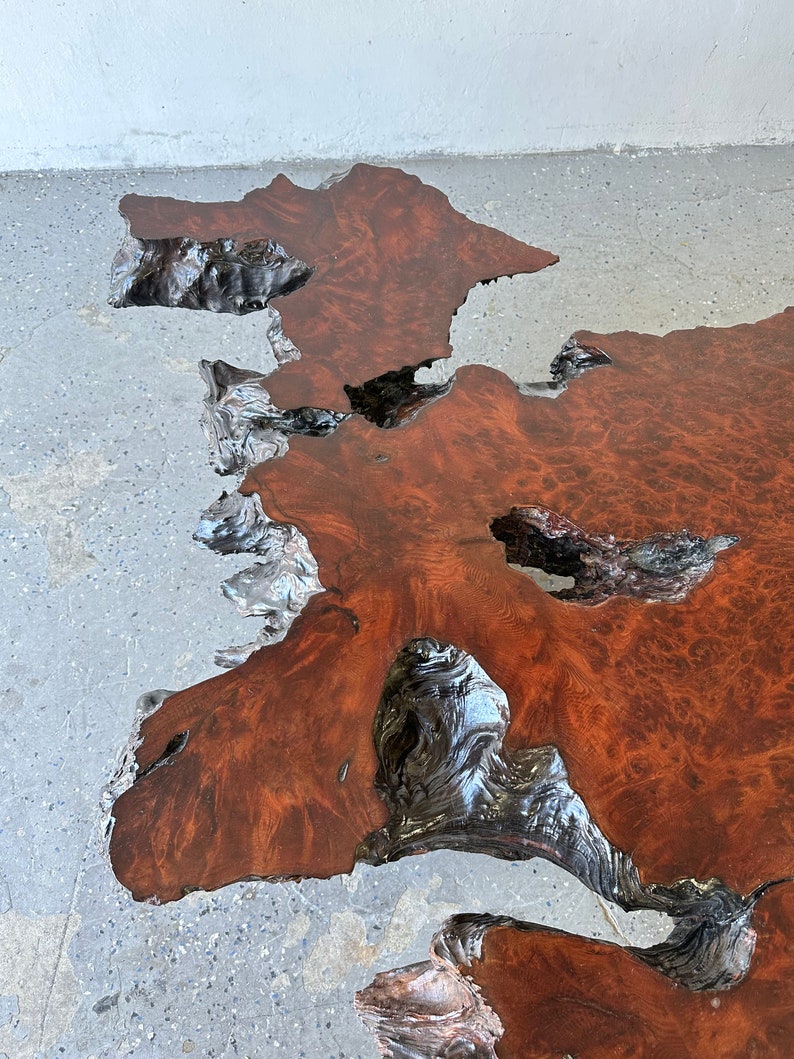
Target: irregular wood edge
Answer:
[[244, 428], [432, 1008], [126, 770], [450, 782], [173, 218], [276, 589], [660, 568], [222, 275], [237, 523], [159, 263], [695, 929], [242, 425], [672, 949], [226, 274]]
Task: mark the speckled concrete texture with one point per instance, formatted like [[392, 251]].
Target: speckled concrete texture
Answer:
[[105, 596]]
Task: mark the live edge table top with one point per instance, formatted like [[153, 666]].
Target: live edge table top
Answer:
[[670, 707]]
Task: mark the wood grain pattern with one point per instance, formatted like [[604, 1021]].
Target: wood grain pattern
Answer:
[[559, 995], [673, 719], [393, 261], [667, 696], [496, 988]]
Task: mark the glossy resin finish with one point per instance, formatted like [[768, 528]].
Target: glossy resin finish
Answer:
[[647, 709], [672, 719], [392, 261], [495, 988]]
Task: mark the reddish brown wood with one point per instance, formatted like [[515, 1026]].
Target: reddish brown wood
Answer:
[[674, 719], [559, 995], [522, 991], [394, 261]]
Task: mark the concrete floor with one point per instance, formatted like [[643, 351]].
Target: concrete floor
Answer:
[[105, 595]]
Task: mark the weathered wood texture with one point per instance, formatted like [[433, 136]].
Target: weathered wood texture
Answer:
[[674, 719], [393, 261]]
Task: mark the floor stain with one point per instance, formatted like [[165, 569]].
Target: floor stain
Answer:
[[41, 991], [47, 501]]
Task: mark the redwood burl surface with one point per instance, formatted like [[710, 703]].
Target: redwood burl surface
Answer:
[[633, 727], [558, 995], [392, 263], [673, 719], [497, 988]]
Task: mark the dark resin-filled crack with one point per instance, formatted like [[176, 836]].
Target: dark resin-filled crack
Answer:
[[432, 1009], [449, 782], [243, 426], [174, 746], [573, 360], [661, 568], [395, 398], [223, 276]]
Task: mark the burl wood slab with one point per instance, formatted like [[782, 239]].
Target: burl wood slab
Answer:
[[433, 695], [558, 995], [392, 261], [524, 992], [673, 719]]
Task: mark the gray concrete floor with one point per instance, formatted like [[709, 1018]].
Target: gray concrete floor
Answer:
[[105, 596]]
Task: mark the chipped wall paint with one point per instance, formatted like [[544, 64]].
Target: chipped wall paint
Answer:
[[360, 79]]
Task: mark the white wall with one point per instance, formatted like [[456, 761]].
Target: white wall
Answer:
[[95, 83]]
